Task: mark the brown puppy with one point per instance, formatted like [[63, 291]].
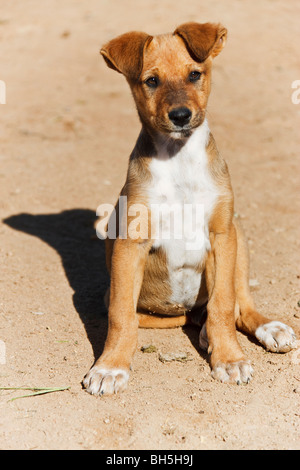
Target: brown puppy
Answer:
[[164, 272]]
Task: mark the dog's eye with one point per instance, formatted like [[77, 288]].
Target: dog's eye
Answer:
[[194, 76], [152, 82]]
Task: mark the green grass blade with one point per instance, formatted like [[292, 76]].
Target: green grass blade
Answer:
[[36, 390]]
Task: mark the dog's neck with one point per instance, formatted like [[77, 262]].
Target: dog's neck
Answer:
[[164, 147]]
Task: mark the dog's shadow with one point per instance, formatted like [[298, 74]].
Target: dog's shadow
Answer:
[[72, 234]]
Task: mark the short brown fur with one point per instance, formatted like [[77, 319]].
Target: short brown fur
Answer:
[[139, 275]]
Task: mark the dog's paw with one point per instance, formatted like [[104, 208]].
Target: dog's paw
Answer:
[[276, 337], [233, 372], [102, 381]]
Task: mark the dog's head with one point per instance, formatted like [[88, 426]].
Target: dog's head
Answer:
[[169, 75]]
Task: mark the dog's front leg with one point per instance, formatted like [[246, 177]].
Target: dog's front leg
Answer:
[[110, 373], [227, 359]]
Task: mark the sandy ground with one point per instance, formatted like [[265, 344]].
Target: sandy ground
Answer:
[[66, 130]]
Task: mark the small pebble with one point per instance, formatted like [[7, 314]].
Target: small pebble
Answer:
[[175, 356], [149, 348]]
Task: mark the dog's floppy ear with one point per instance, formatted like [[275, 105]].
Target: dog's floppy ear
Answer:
[[125, 53], [203, 40]]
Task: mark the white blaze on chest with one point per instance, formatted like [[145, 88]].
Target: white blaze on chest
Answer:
[[182, 196]]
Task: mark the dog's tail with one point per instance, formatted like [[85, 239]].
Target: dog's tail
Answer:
[[162, 321], [196, 317]]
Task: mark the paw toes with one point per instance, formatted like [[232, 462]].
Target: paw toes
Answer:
[[233, 372], [276, 337], [102, 381]]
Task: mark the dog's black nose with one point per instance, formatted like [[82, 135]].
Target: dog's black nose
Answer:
[[180, 116]]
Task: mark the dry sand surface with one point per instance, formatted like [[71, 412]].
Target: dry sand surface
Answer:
[[66, 130]]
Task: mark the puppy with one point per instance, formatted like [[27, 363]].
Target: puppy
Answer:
[[162, 281]]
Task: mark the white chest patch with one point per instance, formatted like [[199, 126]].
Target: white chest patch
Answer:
[[182, 197]]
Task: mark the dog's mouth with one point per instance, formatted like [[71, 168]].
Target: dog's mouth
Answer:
[[181, 133], [176, 132]]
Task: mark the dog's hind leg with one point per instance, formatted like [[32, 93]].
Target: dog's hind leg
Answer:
[[274, 335]]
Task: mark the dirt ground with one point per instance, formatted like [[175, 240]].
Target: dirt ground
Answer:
[[66, 131]]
